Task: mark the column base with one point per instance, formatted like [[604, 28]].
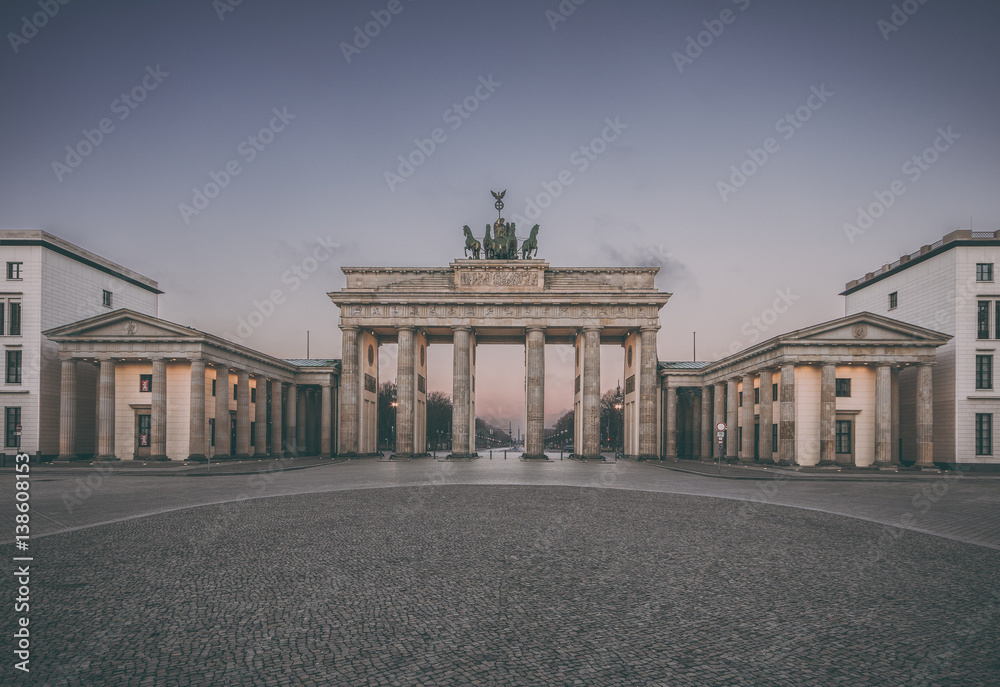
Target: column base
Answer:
[[66, 457], [325, 455], [462, 456], [537, 456], [242, 456], [197, 458], [401, 456], [110, 459]]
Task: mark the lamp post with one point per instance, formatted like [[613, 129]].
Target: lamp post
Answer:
[[394, 404]]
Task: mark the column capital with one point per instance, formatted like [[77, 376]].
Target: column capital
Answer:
[[649, 328], [459, 328], [406, 328], [535, 328], [350, 328]]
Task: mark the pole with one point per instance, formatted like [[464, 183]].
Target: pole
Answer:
[[694, 347], [307, 344]]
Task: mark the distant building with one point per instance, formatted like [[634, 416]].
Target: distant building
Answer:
[[951, 286], [49, 282]]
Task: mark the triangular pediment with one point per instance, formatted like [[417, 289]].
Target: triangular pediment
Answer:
[[124, 324], [866, 327]]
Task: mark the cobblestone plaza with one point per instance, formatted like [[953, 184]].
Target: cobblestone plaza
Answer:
[[503, 572]]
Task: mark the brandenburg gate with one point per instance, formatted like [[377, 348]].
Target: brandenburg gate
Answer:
[[502, 298]]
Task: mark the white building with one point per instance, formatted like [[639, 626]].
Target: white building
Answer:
[[950, 286], [47, 283]]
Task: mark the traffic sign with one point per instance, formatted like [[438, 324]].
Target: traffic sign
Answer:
[[17, 430], [721, 427]]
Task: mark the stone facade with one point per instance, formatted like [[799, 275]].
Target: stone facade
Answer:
[[167, 392], [942, 287], [55, 283], [825, 395], [525, 302]]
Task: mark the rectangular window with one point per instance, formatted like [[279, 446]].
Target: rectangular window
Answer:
[[844, 388], [844, 436], [984, 271], [984, 434], [145, 383], [3, 310], [13, 419], [106, 298], [774, 437], [774, 392], [14, 270], [253, 433], [14, 313], [983, 319], [756, 395], [996, 319], [253, 394], [984, 371], [213, 387], [893, 299], [13, 367], [236, 388], [211, 431]]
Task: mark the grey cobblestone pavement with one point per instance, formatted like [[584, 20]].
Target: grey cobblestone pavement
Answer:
[[510, 573]]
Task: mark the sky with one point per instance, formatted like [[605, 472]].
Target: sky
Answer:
[[762, 153]]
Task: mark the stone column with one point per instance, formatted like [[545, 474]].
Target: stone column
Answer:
[[461, 392], [786, 418], [260, 418], [106, 411], [350, 383], [746, 450], [828, 414], [766, 451], [67, 410], [707, 426], [719, 401], [883, 415], [895, 416], [732, 418], [158, 412], [534, 433], [302, 422], [326, 420], [925, 415], [242, 414], [223, 420], [196, 415], [670, 399], [291, 418], [694, 450], [647, 392], [592, 396], [276, 424], [406, 392]]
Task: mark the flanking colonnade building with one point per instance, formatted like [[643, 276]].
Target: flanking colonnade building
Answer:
[[868, 389]]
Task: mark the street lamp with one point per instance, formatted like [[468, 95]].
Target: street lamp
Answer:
[[394, 404]]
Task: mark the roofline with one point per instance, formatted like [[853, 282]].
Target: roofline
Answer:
[[37, 237], [956, 239]]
